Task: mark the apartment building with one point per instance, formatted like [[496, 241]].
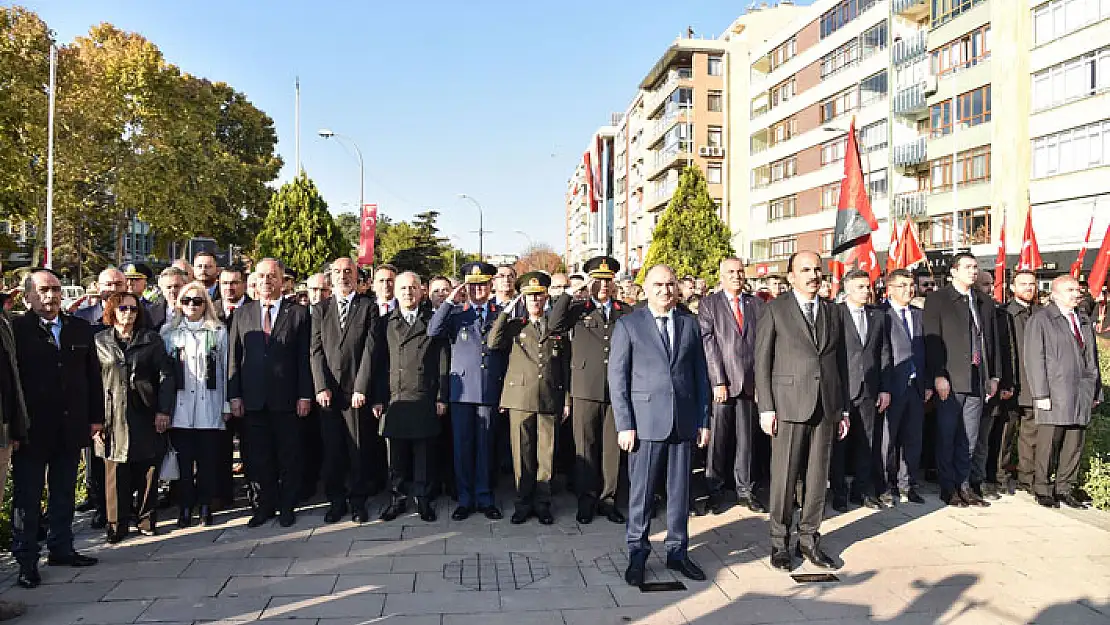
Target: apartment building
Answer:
[[589, 200], [806, 83], [1069, 125]]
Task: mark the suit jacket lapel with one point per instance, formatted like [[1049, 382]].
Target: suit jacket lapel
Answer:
[[800, 320], [676, 332], [352, 309]]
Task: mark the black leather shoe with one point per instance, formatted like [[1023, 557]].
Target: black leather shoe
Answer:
[[74, 559], [687, 567], [335, 513], [185, 519], [989, 491], [780, 559], [460, 513], [427, 512], [973, 499], [206, 516], [287, 518], [612, 513], [887, 500], [718, 504], [840, 503], [1071, 501], [953, 499], [492, 513], [520, 516], [360, 515], [260, 518], [116, 535], [99, 520], [634, 574], [817, 557], [911, 496], [585, 514], [28, 577], [395, 509], [753, 504], [545, 517], [869, 502], [1047, 501]]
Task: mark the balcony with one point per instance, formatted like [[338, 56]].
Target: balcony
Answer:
[[659, 127], [906, 205], [654, 99], [910, 101], [915, 10], [909, 50], [910, 154], [668, 156]]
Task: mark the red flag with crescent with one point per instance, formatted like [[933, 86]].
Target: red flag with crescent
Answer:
[[367, 229]]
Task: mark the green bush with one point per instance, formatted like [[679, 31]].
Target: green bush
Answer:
[[1095, 473]]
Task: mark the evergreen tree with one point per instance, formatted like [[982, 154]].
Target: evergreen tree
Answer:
[[299, 230], [690, 237], [424, 251]]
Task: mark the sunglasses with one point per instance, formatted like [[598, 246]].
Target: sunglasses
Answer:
[[192, 301], [126, 308]]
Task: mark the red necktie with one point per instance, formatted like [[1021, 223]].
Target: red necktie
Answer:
[[266, 322], [738, 313], [1075, 330]]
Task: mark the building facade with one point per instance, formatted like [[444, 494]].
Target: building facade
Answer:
[[589, 203]]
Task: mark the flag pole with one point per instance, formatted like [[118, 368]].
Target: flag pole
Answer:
[[49, 264]]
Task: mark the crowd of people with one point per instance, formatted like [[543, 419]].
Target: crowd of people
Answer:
[[768, 398]]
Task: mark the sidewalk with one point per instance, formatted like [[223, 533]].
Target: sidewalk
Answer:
[[1014, 562]]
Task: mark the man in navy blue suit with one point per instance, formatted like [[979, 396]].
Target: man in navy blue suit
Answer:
[[659, 385], [477, 373]]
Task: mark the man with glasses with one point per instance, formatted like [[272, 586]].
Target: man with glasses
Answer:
[[233, 292]]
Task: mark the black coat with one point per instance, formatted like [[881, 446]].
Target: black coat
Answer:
[[340, 362], [947, 321], [62, 387], [139, 383], [1013, 348], [590, 336], [269, 375], [869, 361], [418, 370]]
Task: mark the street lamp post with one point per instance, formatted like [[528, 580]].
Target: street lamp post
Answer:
[[329, 134], [481, 228], [528, 238], [454, 256]]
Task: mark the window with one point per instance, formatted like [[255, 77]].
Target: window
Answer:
[[1076, 149], [830, 196], [873, 39], [826, 241], [782, 208], [833, 151], [761, 177], [940, 173], [844, 12], [844, 56], [872, 88], [975, 226], [782, 92], [945, 10], [713, 174], [940, 119], [876, 183], [936, 232], [839, 104], [1055, 19], [715, 101], [783, 247], [715, 67], [786, 168], [974, 107], [1072, 80], [783, 53], [784, 130], [972, 166], [966, 51], [873, 136], [715, 137]]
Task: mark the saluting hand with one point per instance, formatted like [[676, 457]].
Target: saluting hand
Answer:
[[459, 295]]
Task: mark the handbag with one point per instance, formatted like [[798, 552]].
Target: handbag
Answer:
[[170, 470]]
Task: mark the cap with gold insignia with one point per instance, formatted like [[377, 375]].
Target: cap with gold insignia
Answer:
[[533, 282], [602, 267], [137, 271], [478, 272]]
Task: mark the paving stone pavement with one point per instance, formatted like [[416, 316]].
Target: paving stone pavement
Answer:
[[1014, 562]]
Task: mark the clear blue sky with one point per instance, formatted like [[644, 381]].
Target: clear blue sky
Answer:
[[493, 99]]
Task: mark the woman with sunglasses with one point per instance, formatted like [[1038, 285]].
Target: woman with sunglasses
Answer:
[[139, 390], [197, 344]]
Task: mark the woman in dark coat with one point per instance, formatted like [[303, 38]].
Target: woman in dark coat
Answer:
[[139, 394]]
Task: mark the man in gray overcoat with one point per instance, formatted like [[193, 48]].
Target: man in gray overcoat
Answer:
[[1062, 371]]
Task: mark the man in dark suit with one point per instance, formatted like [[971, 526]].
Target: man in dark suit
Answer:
[[477, 376], [341, 325], [534, 393], [233, 294], [728, 320], [232, 297], [902, 427], [1020, 422], [410, 375], [170, 283], [270, 385], [385, 278], [207, 271], [801, 380], [13, 425], [660, 388], [867, 341], [60, 378], [590, 321], [962, 361]]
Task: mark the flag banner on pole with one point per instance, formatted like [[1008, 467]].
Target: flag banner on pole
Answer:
[[1000, 265], [1030, 253], [1101, 266], [368, 227], [591, 182], [911, 249], [895, 246], [854, 218], [867, 260], [1077, 266]]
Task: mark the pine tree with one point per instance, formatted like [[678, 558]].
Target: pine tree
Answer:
[[690, 237], [299, 230]]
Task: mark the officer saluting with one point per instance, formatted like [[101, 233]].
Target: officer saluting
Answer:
[[590, 316], [477, 373], [535, 386]]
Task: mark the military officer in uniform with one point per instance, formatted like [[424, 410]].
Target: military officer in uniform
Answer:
[[477, 373], [590, 322], [534, 393]]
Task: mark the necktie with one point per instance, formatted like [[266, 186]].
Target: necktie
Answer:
[[738, 312], [811, 319], [49, 325], [385, 308], [267, 323], [605, 312], [482, 316], [665, 333], [861, 325], [976, 340], [344, 304], [909, 333], [230, 308], [1075, 330]]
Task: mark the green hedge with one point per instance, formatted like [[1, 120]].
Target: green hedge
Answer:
[[1095, 476]]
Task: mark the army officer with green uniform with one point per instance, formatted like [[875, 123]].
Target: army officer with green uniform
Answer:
[[534, 393]]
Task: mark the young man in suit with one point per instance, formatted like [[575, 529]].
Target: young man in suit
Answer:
[[960, 354], [660, 388], [801, 383], [728, 320], [270, 386], [902, 427], [477, 375], [410, 375], [1019, 414], [341, 368], [867, 343]]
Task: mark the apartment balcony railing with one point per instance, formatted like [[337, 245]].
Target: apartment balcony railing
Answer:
[[658, 128], [656, 97], [913, 9], [910, 154], [910, 101], [909, 50], [666, 157], [912, 204]]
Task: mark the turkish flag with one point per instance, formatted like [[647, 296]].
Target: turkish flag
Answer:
[[911, 250], [1030, 254], [1000, 265], [892, 253], [854, 218], [867, 260], [1077, 266], [1099, 269], [836, 268], [368, 227]]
